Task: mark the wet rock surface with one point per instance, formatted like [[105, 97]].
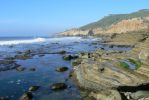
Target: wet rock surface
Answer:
[[24, 55], [58, 86], [34, 88], [61, 69], [45, 60], [69, 57], [62, 52], [7, 65], [99, 71], [20, 69], [4, 98], [76, 62], [26, 96], [103, 71], [32, 69]]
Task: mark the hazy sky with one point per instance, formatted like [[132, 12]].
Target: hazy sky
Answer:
[[41, 17]]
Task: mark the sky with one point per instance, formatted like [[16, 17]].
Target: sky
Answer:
[[45, 17]]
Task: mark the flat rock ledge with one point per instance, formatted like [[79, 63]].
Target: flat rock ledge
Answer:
[[104, 71]]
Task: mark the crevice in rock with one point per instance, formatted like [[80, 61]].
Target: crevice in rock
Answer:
[[143, 87]]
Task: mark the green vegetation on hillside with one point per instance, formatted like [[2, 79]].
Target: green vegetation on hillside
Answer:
[[115, 18]]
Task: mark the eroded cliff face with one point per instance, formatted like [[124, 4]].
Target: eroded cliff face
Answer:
[[77, 32], [124, 26], [135, 24]]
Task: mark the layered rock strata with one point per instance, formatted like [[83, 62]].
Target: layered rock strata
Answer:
[[105, 71]]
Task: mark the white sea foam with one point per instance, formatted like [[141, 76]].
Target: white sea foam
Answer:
[[27, 41], [40, 40]]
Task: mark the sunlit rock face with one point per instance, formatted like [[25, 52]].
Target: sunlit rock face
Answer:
[[107, 74], [129, 25], [103, 70], [77, 32], [124, 26]]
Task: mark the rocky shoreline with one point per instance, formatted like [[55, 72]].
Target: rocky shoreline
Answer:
[[37, 74], [112, 75], [9, 64], [105, 74]]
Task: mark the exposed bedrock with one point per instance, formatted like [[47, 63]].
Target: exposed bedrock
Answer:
[[106, 75], [113, 71]]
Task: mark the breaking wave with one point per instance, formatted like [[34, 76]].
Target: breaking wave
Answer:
[[27, 41]]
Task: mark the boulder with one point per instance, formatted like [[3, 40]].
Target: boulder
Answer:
[[62, 52], [22, 56], [32, 69], [26, 96], [27, 52], [7, 65], [76, 62], [34, 88], [61, 69], [69, 57], [4, 98], [58, 86], [139, 95], [20, 68], [71, 74]]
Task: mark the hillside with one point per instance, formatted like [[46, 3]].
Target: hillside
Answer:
[[115, 23], [115, 18]]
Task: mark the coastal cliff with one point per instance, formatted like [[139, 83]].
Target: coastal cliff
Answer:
[[121, 23], [77, 32], [124, 26], [114, 74]]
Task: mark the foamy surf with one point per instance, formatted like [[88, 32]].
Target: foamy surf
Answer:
[[29, 41], [48, 40]]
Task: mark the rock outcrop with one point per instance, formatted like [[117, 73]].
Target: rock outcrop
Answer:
[[8, 65], [105, 71], [77, 32]]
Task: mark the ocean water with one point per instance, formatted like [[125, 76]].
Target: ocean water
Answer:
[[13, 84]]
